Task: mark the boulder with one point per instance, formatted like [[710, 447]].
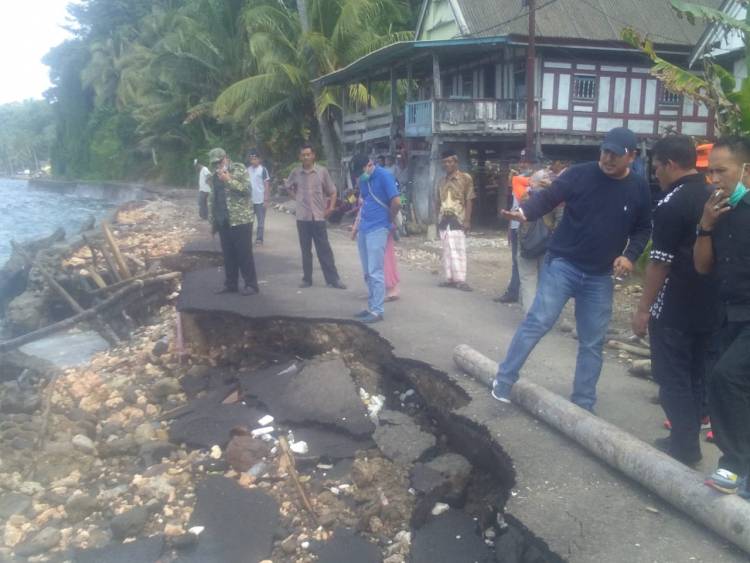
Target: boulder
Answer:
[[13, 503], [164, 387], [26, 313], [154, 451], [129, 523], [243, 452], [42, 542], [83, 443], [79, 506]]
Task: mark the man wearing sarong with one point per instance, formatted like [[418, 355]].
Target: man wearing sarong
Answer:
[[456, 199]]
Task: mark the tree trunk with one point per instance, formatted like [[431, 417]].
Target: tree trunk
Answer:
[[327, 135]]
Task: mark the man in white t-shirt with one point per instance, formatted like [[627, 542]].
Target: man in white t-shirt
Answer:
[[203, 188], [260, 191]]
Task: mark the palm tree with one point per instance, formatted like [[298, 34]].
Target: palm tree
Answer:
[[292, 47]]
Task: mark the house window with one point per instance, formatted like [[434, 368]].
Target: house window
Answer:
[[467, 84], [447, 87], [667, 98], [584, 87]]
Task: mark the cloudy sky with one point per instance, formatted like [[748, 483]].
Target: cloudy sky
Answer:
[[28, 29]]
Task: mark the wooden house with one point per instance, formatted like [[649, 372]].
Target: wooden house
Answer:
[[461, 84]]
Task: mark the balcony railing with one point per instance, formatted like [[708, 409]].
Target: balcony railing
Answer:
[[418, 119], [465, 116]]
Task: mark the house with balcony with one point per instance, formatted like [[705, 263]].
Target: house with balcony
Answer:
[[461, 84]]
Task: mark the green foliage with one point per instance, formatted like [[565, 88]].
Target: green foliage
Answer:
[[148, 85], [26, 134], [715, 87]]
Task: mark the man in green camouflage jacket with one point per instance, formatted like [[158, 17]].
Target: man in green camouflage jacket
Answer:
[[231, 215]]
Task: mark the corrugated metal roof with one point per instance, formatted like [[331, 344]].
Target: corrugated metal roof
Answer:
[[599, 20], [395, 53]]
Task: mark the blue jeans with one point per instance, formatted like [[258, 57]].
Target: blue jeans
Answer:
[[260, 220], [559, 281], [372, 254]]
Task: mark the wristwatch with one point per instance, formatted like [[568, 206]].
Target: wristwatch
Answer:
[[701, 232]]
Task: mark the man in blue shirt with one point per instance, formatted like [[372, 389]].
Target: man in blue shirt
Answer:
[[605, 227], [381, 202]]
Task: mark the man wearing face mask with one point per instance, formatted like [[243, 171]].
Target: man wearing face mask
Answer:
[[381, 202], [231, 216], [605, 227], [722, 247]]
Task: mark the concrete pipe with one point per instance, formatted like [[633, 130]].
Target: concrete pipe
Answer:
[[727, 515]]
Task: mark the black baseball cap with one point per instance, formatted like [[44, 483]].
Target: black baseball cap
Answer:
[[620, 141], [252, 153]]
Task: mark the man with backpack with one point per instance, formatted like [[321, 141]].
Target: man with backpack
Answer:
[[605, 227], [381, 202], [532, 240]]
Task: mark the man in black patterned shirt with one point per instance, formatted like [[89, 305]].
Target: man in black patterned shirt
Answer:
[[679, 306]]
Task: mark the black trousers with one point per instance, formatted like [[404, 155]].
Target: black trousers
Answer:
[[729, 398], [680, 363], [237, 248], [308, 232]]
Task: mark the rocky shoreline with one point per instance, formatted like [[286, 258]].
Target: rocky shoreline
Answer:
[[161, 450], [67, 436]]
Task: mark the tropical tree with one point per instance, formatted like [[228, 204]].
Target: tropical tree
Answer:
[[715, 87], [294, 45]]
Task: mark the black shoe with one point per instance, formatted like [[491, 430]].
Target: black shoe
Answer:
[[247, 290], [362, 314], [507, 298], [305, 284], [337, 285], [665, 445], [259, 242], [225, 290]]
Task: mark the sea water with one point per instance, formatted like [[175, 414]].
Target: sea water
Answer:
[[27, 213]]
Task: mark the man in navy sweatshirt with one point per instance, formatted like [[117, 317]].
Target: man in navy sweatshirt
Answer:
[[605, 228]]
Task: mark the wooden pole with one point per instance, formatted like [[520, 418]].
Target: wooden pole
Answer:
[[530, 86], [102, 327], [94, 275], [394, 114], [124, 271], [677, 484], [295, 478], [86, 315]]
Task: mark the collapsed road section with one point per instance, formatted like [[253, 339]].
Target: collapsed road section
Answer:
[[358, 455]]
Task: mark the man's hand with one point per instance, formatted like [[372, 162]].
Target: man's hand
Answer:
[[639, 323], [513, 215], [622, 267], [467, 227], [716, 206]]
